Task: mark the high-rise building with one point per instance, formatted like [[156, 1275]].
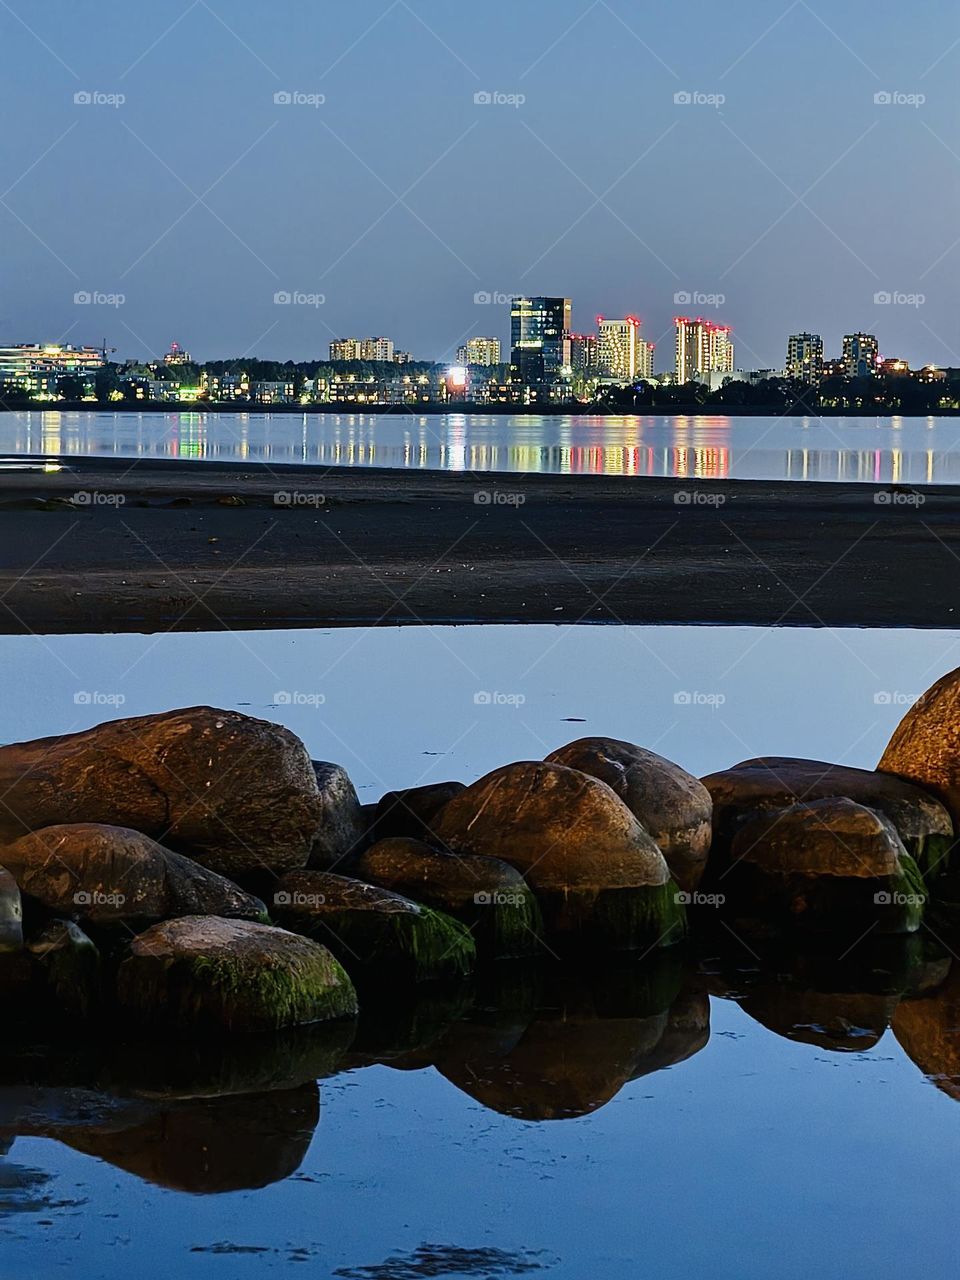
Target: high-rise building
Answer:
[[805, 357], [479, 351], [618, 348], [37, 369], [540, 338], [583, 354], [345, 349], [176, 355], [376, 349], [702, 348], [861, 355], [645, 354]]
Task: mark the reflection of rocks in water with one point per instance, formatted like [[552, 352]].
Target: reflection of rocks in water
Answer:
[[584, 1038], [24, 1190], [202, 1146], [928, 1030], [399, 1028], [431, 1260], [815, 998]]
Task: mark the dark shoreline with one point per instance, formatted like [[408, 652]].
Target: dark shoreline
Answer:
[[156, 546], [465, 407]]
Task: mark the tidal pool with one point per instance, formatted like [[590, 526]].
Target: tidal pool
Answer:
[[725, 1110]]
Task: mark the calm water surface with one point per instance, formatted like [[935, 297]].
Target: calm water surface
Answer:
[[899, 450], [727, 1114]]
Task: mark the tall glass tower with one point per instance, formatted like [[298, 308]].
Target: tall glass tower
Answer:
[[540, 337]]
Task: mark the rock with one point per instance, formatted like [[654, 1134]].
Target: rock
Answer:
[[370, 928], [599, 877], [925, 747], [116, 876], [342, 825], [489, 896], [776, 782], [234, 793], [70, 967], [11, 913], [411, 812], [673, 806], [828, 865], [203, 973]]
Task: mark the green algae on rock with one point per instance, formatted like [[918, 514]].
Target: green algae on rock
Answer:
[[204, 973], [486, 894], [369, 928]]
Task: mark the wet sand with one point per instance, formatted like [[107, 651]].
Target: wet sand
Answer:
[[156, 546]]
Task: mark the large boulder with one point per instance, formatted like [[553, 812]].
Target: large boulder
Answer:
[[599, 877], [342, 826], [411, 812], [671, 804], [11, 913], [116, 876], [207, 974], [371, 929], [489, 896], [777, 782], [925, 747], [237, 794], [831, 865]]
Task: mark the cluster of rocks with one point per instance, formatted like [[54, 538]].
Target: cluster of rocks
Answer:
[[197, 870]]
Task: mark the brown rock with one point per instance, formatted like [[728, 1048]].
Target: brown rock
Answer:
[[925, 747], [342, 825], [236, 794], [411, 812], [928, 1030], [112, 875], [671, 804]]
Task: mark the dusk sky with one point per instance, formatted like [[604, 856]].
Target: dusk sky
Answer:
[[797, 197]]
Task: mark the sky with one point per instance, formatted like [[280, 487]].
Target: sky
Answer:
[[259, 177]]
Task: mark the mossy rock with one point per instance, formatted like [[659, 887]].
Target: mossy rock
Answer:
[[206, 974], [371, 929], [113, 876], [487, 895], [771, 783], [671, 804], [829, 866], [599, 877]]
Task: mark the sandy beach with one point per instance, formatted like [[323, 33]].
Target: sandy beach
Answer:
[[109, 546]]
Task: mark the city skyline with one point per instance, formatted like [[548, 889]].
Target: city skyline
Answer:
[[796, 163]]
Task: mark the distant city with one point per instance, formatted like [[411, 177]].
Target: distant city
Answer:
[[548, 365]]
